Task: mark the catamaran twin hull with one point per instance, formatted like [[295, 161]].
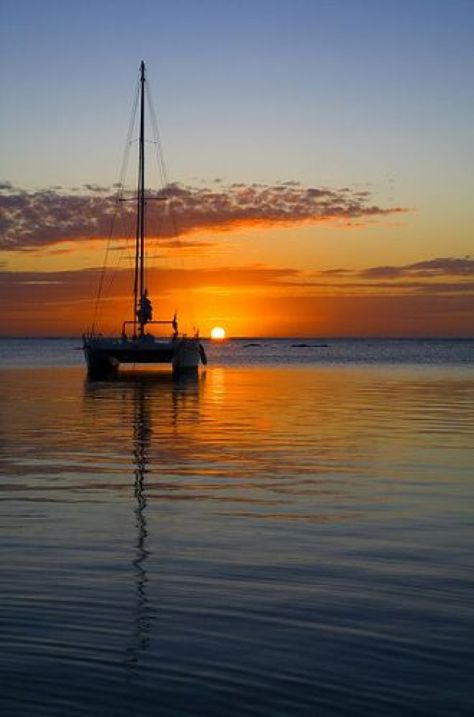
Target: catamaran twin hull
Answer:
[[104, 356]]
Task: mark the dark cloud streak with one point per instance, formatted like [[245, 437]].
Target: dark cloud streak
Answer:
[[79, 284], [432, 268]]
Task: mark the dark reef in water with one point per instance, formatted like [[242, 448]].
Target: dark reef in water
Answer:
[[309, 346]]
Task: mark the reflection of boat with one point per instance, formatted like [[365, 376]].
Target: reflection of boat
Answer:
[[135, 344], [156, 418]]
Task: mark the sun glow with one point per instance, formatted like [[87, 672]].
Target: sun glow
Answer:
[[217, 333]]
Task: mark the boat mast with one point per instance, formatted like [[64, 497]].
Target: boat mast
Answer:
[[139, 283]]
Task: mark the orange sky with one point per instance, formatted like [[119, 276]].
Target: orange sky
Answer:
[[330, 276]]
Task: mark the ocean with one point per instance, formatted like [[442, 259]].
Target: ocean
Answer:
[[289, 534]]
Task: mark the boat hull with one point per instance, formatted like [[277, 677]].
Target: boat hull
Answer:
[[104, 356]]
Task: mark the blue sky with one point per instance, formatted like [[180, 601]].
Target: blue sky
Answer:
[[310, 90]]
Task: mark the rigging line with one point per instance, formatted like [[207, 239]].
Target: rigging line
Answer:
[[155, 244], [162, 168], [131, 126], [156, 134], [125, 249], [162, 164], [104, 264], [186, 280], [127, 235], [160, 160], [118, 197]]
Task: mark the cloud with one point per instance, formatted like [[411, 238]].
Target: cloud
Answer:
[[74, 285], [30, 288], [339, 301], [383, 272], [96, 189], [64, 305], [336, 272], [459, 287], [443, 266], [31, 219], [183, 244]]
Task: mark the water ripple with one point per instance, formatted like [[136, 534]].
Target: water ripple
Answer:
[[264, 541]]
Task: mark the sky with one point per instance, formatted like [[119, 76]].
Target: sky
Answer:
[[319, 165]]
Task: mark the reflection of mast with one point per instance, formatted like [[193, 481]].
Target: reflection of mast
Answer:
[[141, 441], [135, 396]]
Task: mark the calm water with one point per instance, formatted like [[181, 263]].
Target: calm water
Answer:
[[291, 534]]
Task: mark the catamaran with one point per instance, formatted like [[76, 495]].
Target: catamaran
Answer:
[[136, 343]]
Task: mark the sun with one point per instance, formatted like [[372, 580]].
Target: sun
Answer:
[[217, 333]]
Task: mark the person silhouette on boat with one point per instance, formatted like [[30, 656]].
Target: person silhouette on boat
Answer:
[[145, 309]]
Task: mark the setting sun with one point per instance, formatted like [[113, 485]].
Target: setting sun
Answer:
[[217, 333]]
